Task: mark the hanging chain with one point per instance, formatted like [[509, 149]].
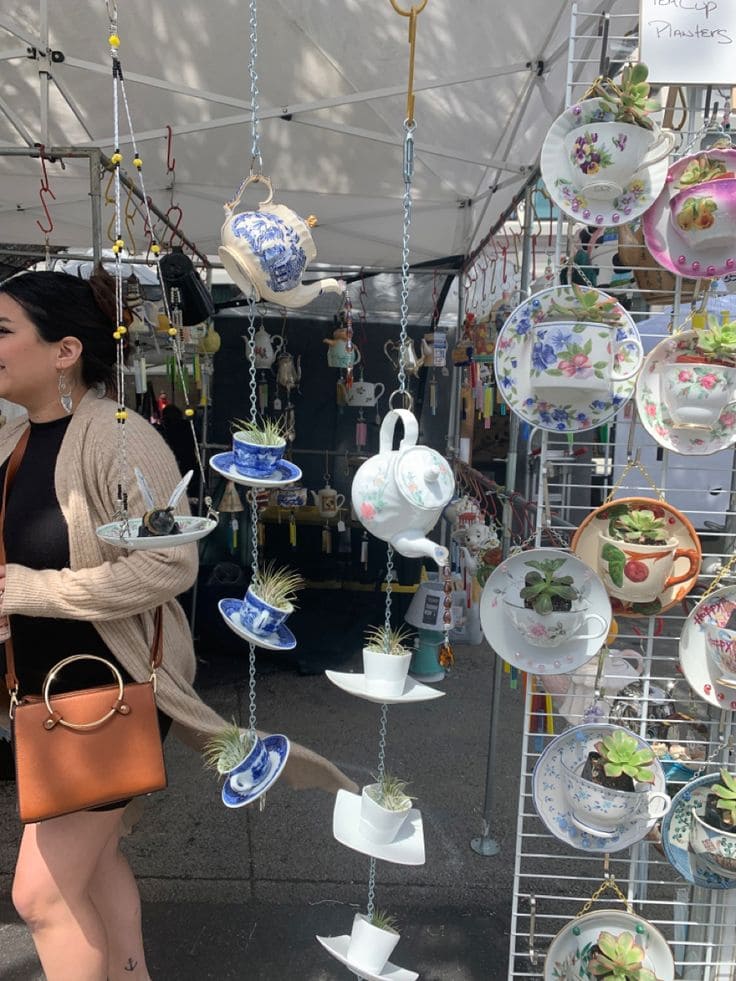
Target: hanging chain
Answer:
[[608, 884], [253, 498], [409, 128], [381, 770], [256, 161]]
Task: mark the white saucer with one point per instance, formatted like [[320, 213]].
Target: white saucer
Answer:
[[278, 747], [655, 416], [283, 474], [407, 849], [559, 178], [694, 661], [192, 529], [355, 684], [282, 640], [549, 797], [506, 640], [338, 947], [575, 409]]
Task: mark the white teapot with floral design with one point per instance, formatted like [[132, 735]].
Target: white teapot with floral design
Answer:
[[399, 495]]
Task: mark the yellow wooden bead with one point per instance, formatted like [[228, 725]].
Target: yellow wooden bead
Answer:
[[137, 162], [121, 415], [189, 413], [116, 158], [612, 633], [173, 331], [122, 329], [155, 248], [114, 41], [117, 335]]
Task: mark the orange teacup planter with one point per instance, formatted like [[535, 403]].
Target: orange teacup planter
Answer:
[[641, 579]]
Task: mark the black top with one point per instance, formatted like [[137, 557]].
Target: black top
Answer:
[[36, 536]]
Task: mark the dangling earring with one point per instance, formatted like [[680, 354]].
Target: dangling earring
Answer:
[[65, 394]]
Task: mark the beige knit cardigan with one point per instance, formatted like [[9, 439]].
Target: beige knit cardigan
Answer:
[[118, 590]]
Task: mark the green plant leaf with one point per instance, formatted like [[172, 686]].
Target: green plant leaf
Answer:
[[616, 560], [639, 73], [543, 605]]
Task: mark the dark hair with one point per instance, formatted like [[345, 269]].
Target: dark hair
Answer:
[[60, 305]]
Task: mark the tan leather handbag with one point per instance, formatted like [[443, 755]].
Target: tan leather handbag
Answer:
[[84, 748]]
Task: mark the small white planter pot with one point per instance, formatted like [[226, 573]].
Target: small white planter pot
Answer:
[[385, 674], [370, 947], [377, 823]]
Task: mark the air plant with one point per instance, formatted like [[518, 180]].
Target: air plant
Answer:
[[277, 587], [383, 921], [227, 748], [543, 590], [639, 527], [622, 753], [619, 958], [265, 432], [390, 792], [385, 640], [629, 100]]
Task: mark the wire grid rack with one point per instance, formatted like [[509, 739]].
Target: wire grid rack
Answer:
[[564, 480]]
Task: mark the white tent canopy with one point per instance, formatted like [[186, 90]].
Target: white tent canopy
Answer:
[[332, 78]]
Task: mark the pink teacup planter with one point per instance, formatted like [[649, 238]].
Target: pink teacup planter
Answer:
[[703, 215]]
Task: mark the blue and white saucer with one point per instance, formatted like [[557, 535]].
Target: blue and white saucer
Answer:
[[280, 640], [284, 473], [278, 753], [676, 837]]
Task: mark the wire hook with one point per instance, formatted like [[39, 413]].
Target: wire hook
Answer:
[[43, 191], [170, 158], [412, 14]]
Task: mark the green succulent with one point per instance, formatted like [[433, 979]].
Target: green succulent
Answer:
[[277, 587], [622, 753], [224, 750], [629, 100], [383, 921], [385, 640], [619, 958], [640, 526], [726, 793], [703, 169], [718, 341], [390, 792], [266, 432], [587, 307], [542, 585]]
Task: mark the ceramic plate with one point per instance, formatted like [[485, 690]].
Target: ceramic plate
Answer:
[[355, 684], [192, 529], [570, 950], [407, 849], [676, 836], [505, 639], [282, 640], [655, 416], [338, 947], [549, 797], [284, 474], [664, 243], [585, 546], [278, 753], [694, 661], [575, 409], [559, 176]]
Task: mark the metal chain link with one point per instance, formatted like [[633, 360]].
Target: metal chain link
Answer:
[[608, 884], [389, 589], [253, 507], [255, 149], [407, 202], [383, 725]]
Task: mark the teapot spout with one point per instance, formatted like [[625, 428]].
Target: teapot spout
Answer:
[[300, 296], [414, 545]]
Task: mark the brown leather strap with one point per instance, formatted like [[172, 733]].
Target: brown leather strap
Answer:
[[11, 679]]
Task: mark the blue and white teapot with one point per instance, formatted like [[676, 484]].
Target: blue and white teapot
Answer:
[[269, 249]]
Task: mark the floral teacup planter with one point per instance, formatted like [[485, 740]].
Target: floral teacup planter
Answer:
[[601, 810], [640, 573], [704, 214], [555, 628], [260, 617], [714, 844], [720, 646], [697, 394], [590, 356], [604, 156], [255, 459]]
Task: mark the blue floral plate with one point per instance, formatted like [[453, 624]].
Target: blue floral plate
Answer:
[[524, 350], [676, 836], [284, 473], [278, 753], [281, 640]]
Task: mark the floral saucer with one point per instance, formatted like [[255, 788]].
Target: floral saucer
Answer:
[[687, 256], [514, 648], [407, 849], [559, 176], [519, 355], [676, 837], [192, 529], [569, 953], [280, 640], [278, 752], [694, 661], [355, 684], [549, 795], [655, 415], [284, 473], [338, 947]]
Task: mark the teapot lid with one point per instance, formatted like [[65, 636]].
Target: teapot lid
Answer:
[[424, 478]]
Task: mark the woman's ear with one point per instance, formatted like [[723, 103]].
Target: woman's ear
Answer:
[[69, 353]]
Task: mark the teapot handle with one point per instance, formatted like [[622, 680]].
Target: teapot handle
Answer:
[[230, 206], [411, 430]]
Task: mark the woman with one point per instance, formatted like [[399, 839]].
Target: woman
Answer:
[[66, 592]]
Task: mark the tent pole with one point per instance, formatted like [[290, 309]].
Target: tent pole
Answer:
[[95, 168]]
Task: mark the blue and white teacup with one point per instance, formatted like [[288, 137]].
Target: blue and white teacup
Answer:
[[255, 459], [260, 617], [600, 810], [251, 771]]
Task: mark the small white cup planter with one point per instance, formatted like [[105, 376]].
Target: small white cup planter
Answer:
[[370, 946], [385, 674], [377, 823]]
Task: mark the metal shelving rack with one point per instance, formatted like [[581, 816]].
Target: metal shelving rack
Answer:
[[551, 880]]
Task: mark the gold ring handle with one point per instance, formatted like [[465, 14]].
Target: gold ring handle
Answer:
[[415, 9], [55, 718]]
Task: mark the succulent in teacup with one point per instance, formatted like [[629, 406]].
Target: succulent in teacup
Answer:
[[726, 794], [277, 587], [639, 526], [622, 753], [619, 958], [227, 748], [717, 342], [264, 432], [703, 169], [544, 591], [588, 307], [629, 99], [386, 640], [383, 921], [390, 792]]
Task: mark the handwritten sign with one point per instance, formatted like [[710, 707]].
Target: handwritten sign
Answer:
[[689, 42]]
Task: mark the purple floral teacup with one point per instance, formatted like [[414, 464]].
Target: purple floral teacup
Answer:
[[605, 156]]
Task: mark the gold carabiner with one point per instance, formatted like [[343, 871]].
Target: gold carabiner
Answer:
[[412, 14]]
